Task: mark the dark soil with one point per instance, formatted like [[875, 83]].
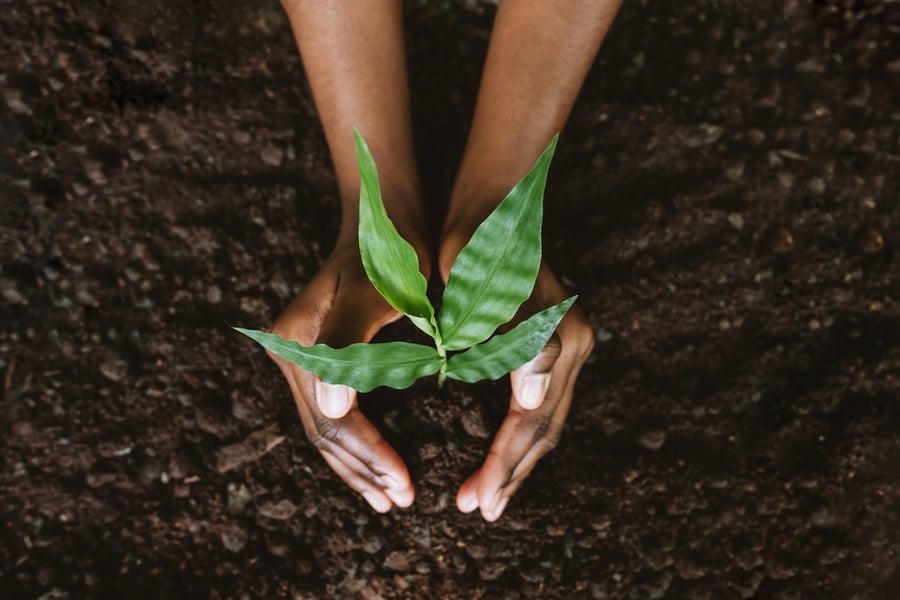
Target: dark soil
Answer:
[[725, 200]]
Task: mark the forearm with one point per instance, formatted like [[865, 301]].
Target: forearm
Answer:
[[356, 65], [539, 55]]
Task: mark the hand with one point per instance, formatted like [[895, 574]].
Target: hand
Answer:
[[340, 307], [541, 396]]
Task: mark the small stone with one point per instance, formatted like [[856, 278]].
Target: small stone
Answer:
[[736, 172], [491, 571], [85, 298], [372, 544], [474, 425], [736, 220], [603, 335], [239, 496], [724, 324], [14, 101], [114, 369], [255, 446], [872, 241], [271, 155], [10, 293], [652, 440], [234, 538], [214, 295], [816, 186], [784, 241], [756, 137], [476, 551], [282, 511], [423, 568], [396, 561], [846, 136]]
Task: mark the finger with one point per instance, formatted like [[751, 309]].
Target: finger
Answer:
[[467, 496], [376, 497], [531, 381], [354, 442], [333, 400], [356, 314], [524, 437]]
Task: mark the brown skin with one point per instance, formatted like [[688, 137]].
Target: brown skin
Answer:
[[353, 55]]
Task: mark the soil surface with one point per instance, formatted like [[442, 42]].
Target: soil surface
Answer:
[[725, 200]]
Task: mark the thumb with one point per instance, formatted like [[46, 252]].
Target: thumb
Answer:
[[334, 400], [531, 381], [355, 316]]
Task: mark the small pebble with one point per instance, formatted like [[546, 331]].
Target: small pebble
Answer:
[[652, 440], [234, 538], [281, 511], [396, 561], [214, 295]]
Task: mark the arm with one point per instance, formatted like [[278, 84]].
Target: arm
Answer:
[[354, 59], [538, 57]]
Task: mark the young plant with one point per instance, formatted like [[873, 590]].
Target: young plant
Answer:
[[491, 278]]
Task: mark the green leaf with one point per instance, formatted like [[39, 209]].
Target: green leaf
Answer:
[[391, 263], [360, 366], [503, 353], [495, 272]]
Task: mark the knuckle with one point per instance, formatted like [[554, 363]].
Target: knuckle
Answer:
[[325, 434], [548, 442], [545, 436]]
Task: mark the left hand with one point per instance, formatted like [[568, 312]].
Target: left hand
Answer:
[[541, 395]]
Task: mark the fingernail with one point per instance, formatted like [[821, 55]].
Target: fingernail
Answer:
[[377, 502], [333, 400], [468, 503], [498, 509], [534, 387]]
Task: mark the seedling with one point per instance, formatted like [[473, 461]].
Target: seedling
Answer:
[[491, 278]]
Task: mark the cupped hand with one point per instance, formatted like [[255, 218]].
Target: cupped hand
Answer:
[[541, 395], [340, 307]]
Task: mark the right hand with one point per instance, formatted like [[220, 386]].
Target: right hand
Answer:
[[340, 307]]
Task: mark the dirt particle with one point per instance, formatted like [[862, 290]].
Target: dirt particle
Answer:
[[234, 538], [736, 220], [214, 295], [239, 496], [491, 571], [271, 155], [114, 369], [756, 137], [253, 447], [816, 186], [473, 424], [476, 551], [652, 440], [10, 293], [281, 511], [396, 561], [372, 544]]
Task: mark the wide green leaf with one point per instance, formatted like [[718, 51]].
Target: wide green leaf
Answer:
[[391, 263], [360, 366], [505, 352], [495, 272]]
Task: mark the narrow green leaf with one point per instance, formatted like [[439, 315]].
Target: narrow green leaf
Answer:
[[360, 366], [391, 263], [505, 352], [495, 272]]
